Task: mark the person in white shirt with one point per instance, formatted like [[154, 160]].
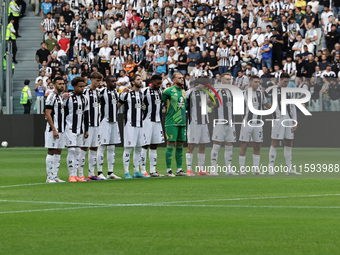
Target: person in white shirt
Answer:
[[172, 62], [124, 81], [170, 30], [324, 22], [104, 54], [258, 37], [311, 34], [298, 46], [196, 72]]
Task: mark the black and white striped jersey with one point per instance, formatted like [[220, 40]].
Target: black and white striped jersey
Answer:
[[76, 112], [48, 24], [108, 104], [258, 100], [223, 52], [92, 97], [117, 64], [195, 101], [153, 103], [225, 110], [290, 108], [133, 113], [55, 103]]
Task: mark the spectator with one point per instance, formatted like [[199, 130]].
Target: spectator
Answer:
[[267, 54], [50, 42], [48, 25], [92, 23], [129, 65], [46, 69], [124, 81], [74, 73], [161, 63], [43, 79], [42, 54], [46, 7], [40, 93], [68, 14], [332, 38]]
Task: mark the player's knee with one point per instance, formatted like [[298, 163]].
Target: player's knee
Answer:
[[288, 143], [257, 147], [72, 151], [275, 143], [153, 147], [111, 148]]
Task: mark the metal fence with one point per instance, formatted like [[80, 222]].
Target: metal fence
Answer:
[[6, 76]]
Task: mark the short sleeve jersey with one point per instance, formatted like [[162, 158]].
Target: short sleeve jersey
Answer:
[[175, 100]]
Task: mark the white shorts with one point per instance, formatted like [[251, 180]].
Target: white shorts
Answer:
[[224, 133], [109, 132], [73, 140], [52, 143], [251, 134], [133, 136], [153, 132], [198, 133], [93, 139], [279, 132]]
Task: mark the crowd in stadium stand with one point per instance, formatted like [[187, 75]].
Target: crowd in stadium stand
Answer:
[[197, 38]]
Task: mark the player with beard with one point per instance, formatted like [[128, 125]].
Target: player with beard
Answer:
[[109, 129], [55, 128], [152, 124], [77, 125], [280, 132], [175, 123], [133, 125]]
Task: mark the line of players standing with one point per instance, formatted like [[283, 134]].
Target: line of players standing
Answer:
[[86, 119]]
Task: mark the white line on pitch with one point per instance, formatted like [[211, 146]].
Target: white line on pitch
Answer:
[[257, 206], [21, 185], [251, 198], [173, 205], [164, 203], [53, 209]]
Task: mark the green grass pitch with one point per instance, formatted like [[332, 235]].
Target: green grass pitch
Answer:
[[184, 215]]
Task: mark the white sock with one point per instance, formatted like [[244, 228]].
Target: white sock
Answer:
[[71, 160], [136, 158], [201, 161], [56, 164], [153, 160], [92, 161], [272, 157], [76, 165], [256, 162], [100, 157], [188, 157], [288, 157], [81, 159], [49, 166], [143, 160], [126, 159], [214, 156], [111, 158], [228, 156], [242, 162]]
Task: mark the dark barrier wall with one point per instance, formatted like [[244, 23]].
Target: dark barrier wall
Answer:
[[322, 129]]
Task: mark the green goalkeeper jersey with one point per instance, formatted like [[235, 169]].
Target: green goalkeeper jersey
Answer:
[[175, 100]]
